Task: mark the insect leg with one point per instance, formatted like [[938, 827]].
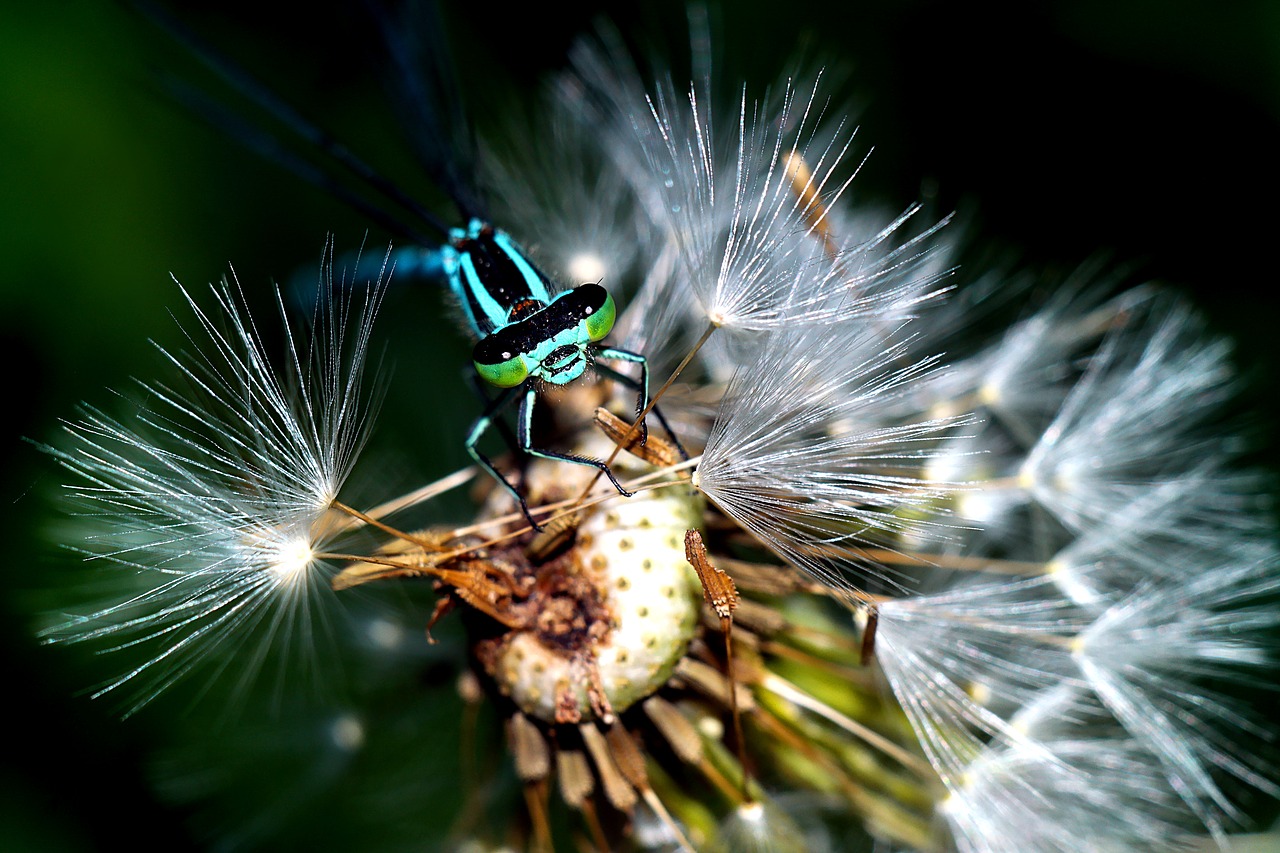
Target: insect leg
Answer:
[[524, 431], [478, 429], [615, 354], [643, 385], [480, 388]]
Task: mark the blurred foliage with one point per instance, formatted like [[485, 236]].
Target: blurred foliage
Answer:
[[1144, 131]]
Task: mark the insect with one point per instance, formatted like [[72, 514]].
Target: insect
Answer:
[[529, 338], [528, 334]]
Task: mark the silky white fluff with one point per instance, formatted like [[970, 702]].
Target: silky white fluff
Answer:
[[960, 660], [1089, 471], [1157, 660], [1085, 703], [749, 245], [750, 239], [1133, 419], [798, 455], [214, 498], [1066, 796], [1070, 694]]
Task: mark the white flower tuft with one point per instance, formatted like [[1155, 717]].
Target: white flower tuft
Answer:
[[757, 250], [215, 500], [542, 191], [1053, 562], [959, 661], [1153, 660], [1084, 704], [1164, 536], [1021, 378], [1069, 796], [1132, 419], [799, 455]]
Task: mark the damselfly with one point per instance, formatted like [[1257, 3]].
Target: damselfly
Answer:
[[529, 333], [529, 338]]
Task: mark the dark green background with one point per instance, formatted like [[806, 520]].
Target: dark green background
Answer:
[[1145, 132]]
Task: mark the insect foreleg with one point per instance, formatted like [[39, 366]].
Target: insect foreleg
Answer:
[[614, 354], [481, 390], [478, 429], [524, 432]]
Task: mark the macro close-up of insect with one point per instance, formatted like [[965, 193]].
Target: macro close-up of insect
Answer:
[[595, 447], [526, 336]]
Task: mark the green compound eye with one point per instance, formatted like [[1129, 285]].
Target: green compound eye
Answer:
[[504, 374], [601, 318]]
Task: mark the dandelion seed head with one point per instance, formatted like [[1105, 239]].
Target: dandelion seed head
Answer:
[[623, 604], [748, 238], [797, 453], [1139, 406], [1048, 553], [216, 497]]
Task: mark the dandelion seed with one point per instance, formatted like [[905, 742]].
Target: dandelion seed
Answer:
[[1164, 536], [799, 456], [1022, 377], [544, 188], [217, 499], [753, 262], [1146, 657], [751, 241], [1003, 642], [1158, 542], [1131, 419], [760, 827], [1052, 801]]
